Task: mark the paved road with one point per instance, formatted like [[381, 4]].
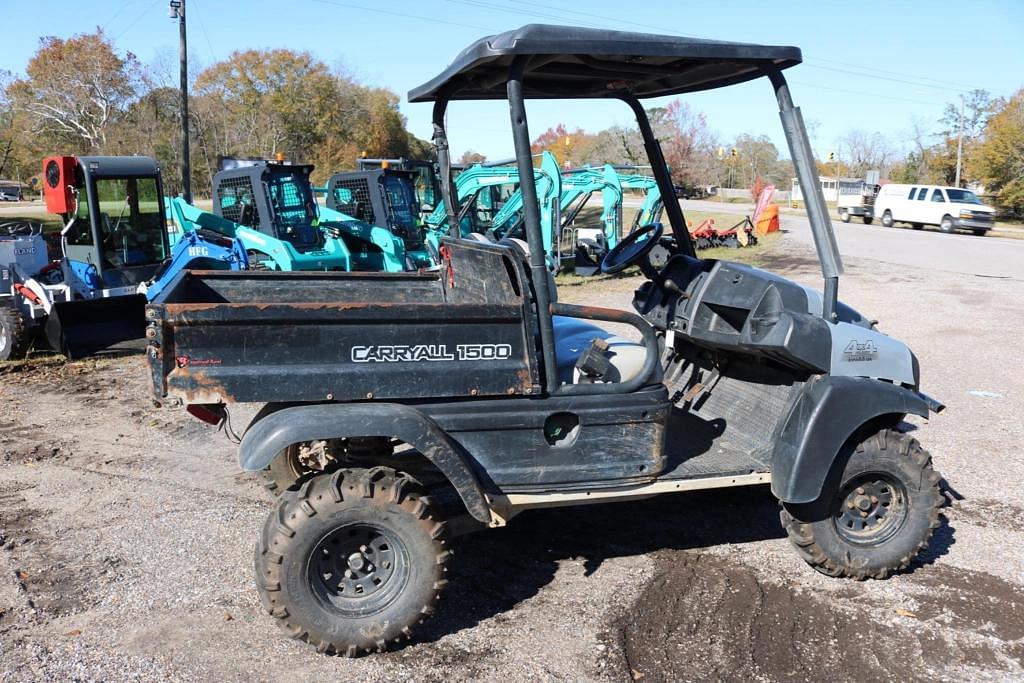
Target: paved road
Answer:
[[962, 253]]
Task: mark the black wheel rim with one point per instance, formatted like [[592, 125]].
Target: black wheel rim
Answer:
[[872, 509], [358, 569]]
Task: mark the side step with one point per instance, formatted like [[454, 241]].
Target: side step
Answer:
[[506, 506]]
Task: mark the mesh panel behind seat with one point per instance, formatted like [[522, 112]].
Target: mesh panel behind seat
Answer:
[[236, 202], [356, 202]]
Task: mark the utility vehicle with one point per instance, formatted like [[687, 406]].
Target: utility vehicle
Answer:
[[399, 405]]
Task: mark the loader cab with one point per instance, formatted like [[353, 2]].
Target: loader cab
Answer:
[[426, 182], [383, 197], [117, 238], [273, 198]]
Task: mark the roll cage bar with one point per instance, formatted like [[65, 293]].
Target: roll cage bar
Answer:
[[560, 62]]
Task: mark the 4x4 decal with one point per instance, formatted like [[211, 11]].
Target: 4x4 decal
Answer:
[[857, 351]]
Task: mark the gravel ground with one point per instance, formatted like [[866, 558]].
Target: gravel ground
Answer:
[[126, 537]]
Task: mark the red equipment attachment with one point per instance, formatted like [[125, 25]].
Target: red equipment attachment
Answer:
[[58, 184]]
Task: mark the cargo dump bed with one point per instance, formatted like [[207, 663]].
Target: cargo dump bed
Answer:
[[235, 337]]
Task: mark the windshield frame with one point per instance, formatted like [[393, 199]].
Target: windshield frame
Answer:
[[159, 230]]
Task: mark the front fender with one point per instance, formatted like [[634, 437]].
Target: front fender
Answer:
[[272, 434], [828, 412]]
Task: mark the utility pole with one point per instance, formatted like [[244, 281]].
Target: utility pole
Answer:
[[960, 143], [177, 11]]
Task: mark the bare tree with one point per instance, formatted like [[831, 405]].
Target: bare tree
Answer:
[[76, 88], [861, 151]]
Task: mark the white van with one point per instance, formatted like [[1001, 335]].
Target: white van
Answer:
[[950, 208]]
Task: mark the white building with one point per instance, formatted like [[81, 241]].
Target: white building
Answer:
[[831, 188]]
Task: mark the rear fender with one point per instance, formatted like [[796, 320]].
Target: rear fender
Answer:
[[277, 430], [828, 412]]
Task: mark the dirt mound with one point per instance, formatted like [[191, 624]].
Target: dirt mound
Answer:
[[105, 377], [707, 618], [52, 583], [30, 443]]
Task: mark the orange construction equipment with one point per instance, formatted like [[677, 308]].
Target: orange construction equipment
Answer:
[[768, 221]]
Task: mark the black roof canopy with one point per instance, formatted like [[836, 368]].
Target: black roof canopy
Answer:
[[572, 62]]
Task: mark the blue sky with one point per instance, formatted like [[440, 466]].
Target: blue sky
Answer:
[[874, 66]]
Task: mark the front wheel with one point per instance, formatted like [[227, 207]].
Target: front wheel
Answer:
[[878, 519], [844, 215], [947, 225], [980, 232], [15, 337], [887, 220], [352, 561], [868, 221]]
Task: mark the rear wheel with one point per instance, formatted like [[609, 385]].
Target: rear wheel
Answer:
[[947, 224], [15, 337], [352, 561], [844, 215], [887, 219], [917, 226], [284, 471], [880, 516]]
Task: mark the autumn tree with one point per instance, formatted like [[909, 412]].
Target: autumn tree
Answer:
[[75, 89], [755, 156], [686, 142], [570, 148], [261, 102], [470, 157], [1000, 155]]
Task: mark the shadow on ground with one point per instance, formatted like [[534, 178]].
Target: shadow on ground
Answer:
[[492, 571]]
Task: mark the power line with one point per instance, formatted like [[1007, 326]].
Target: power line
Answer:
[[877, 74], [404, 15], [122, 8], [815, 86], [912, 79], [529, 13], [895, 73], [885, 78], [202, 27], [145, 10]]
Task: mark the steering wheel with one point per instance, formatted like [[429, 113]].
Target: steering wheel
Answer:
[[632, 248]]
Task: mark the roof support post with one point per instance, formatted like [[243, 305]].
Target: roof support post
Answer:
[[531, 216], [444, 164], [810, 185], [662, 177]]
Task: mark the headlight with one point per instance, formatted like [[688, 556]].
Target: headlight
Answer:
[[966, 214]]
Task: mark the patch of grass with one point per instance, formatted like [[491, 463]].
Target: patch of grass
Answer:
[[753, 256], [750, 255], [728, 200], [49, 222], [723, 221]]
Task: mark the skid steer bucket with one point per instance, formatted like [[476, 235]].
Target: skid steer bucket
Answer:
[[80, 328]]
